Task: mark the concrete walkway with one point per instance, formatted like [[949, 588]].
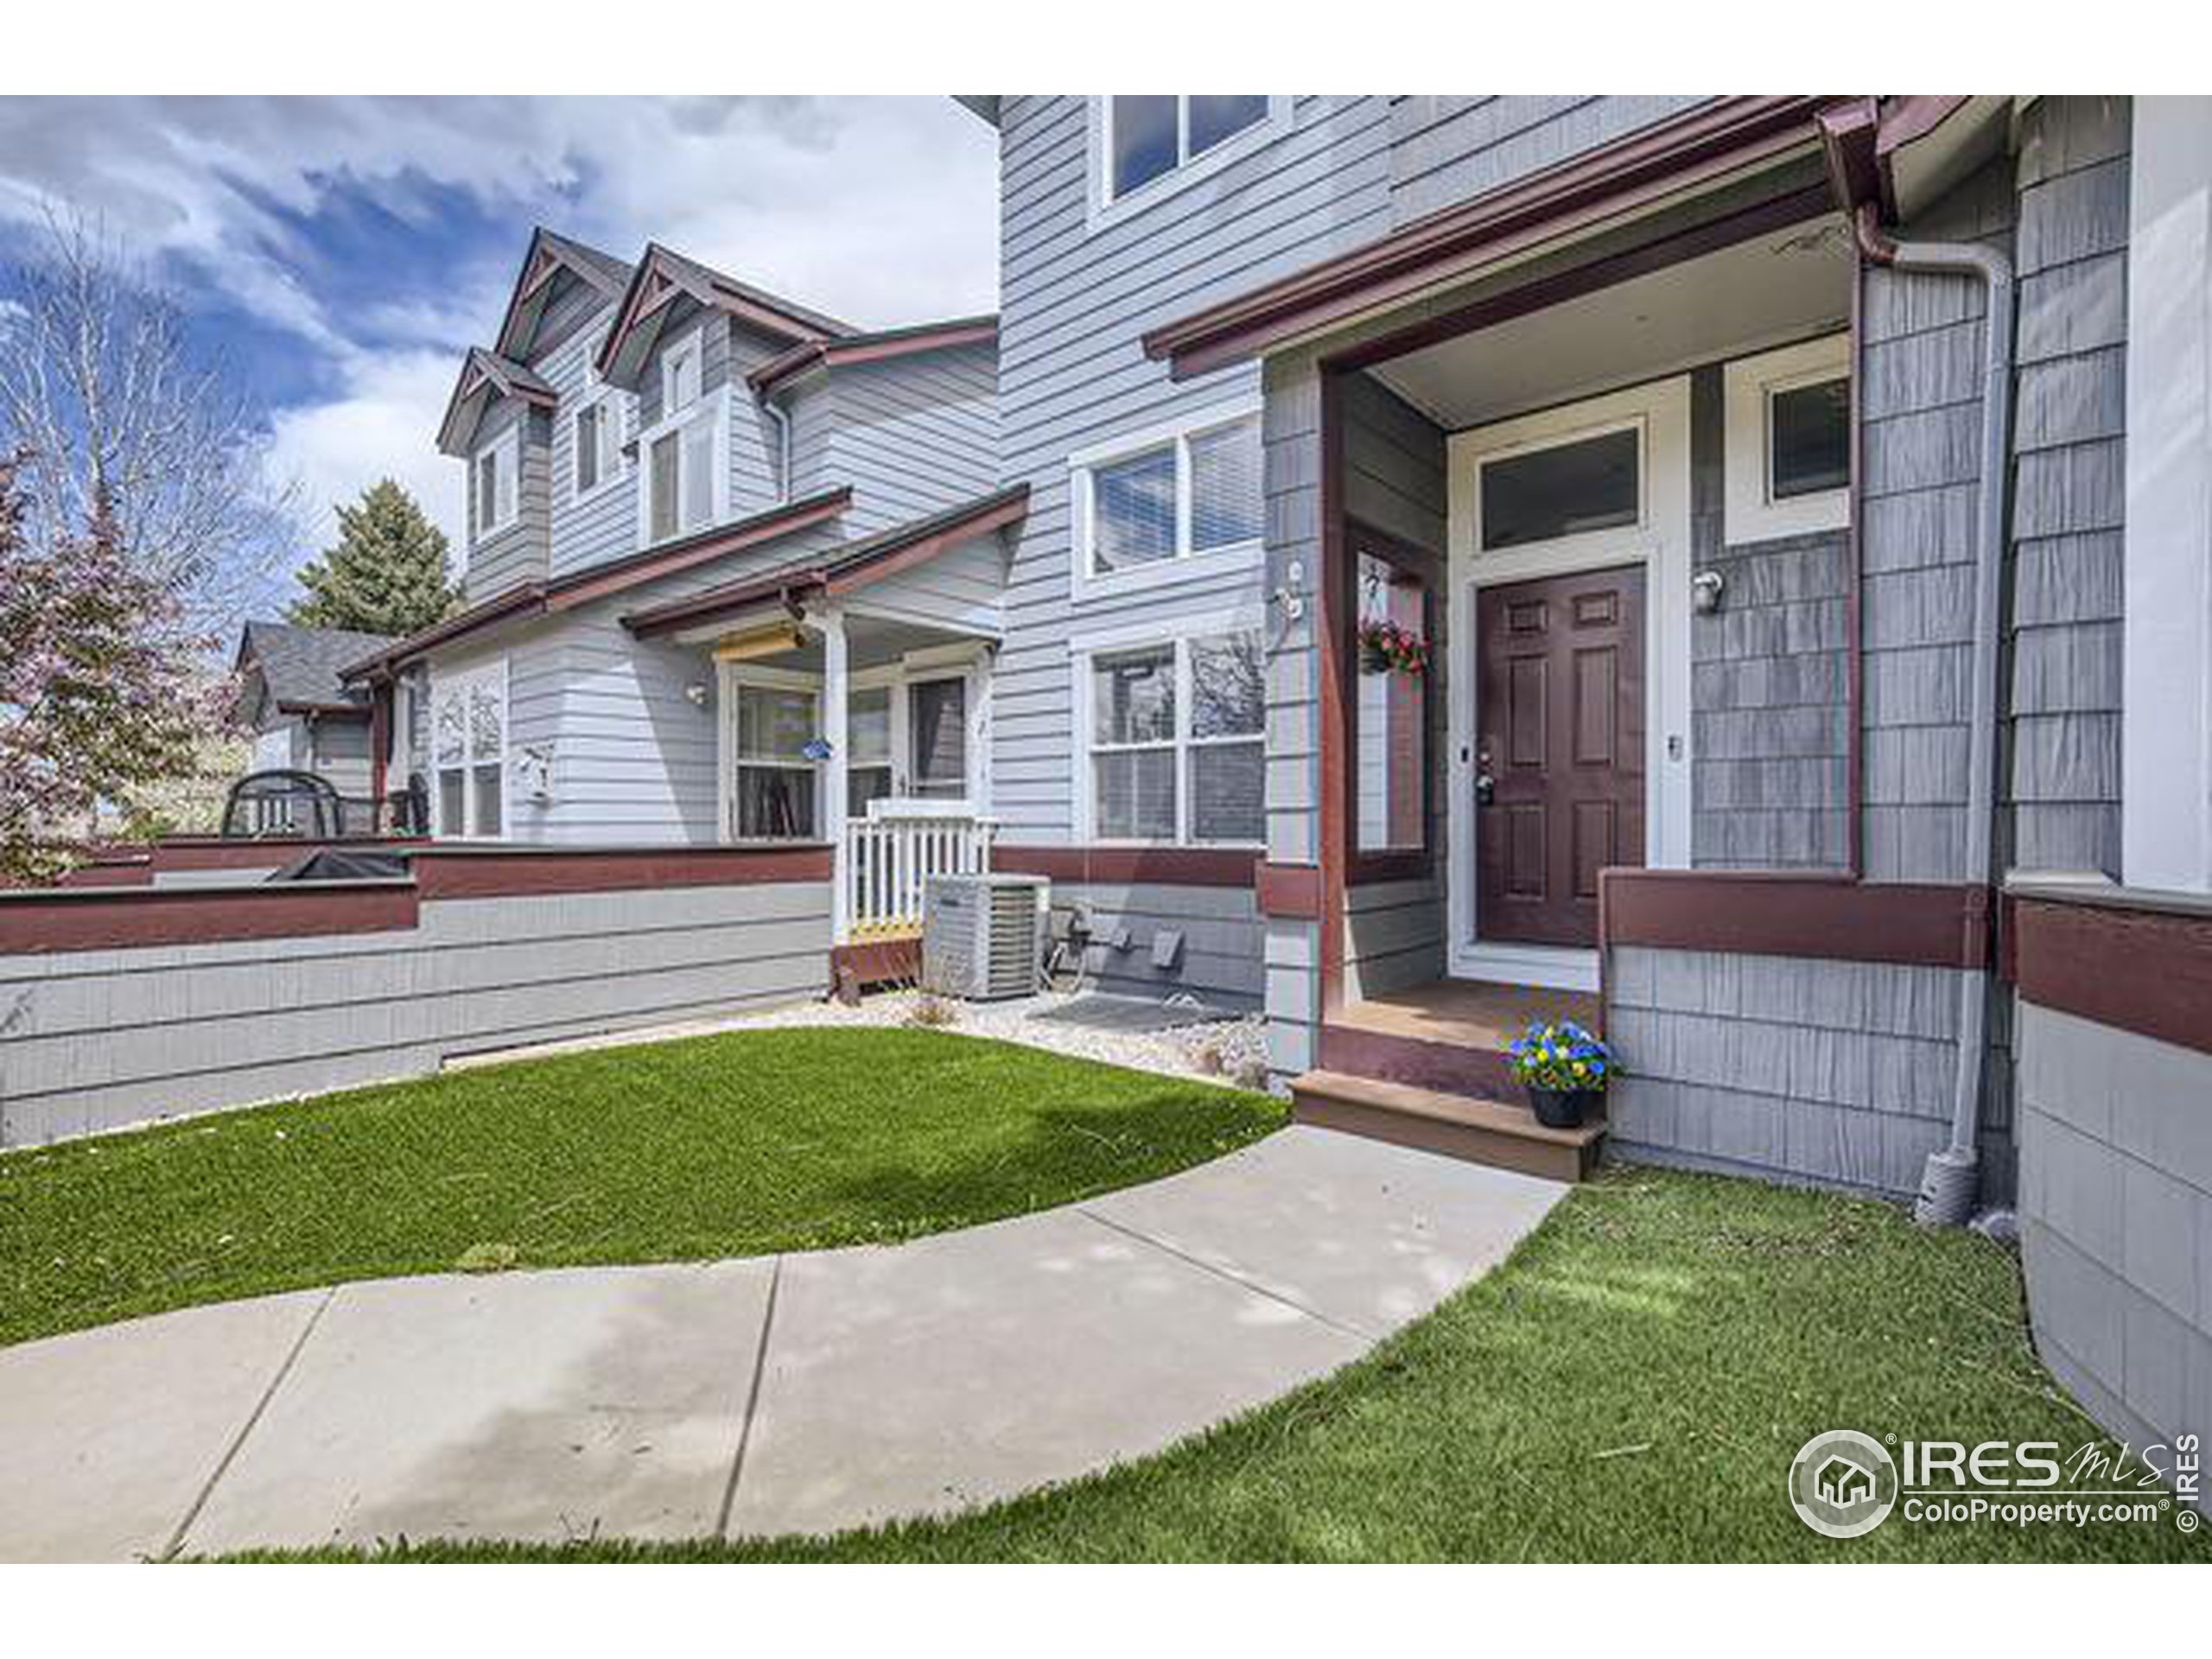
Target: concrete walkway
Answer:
[[801, 1393]]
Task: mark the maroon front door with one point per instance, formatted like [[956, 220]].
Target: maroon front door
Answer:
[[1559, 751]]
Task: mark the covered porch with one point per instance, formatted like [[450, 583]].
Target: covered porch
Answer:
[[851, 693]]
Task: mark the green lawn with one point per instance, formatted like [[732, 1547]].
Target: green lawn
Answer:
[[1632, 1386], [730, 1144]]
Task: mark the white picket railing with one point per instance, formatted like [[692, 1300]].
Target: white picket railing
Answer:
[[889, 860]]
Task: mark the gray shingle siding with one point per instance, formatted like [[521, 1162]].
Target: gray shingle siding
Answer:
[[517, 553], [1444, 150], [2062, 682]]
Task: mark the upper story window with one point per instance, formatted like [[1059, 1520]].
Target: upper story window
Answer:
[[497, 489], [679, 375], [1149, 505], [685, 452], [1788, 441], [1149, 145], [595, 433]]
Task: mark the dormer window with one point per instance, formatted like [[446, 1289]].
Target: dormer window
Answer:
[[679, 376], [686, 452], [497, 469], [1147, 139]]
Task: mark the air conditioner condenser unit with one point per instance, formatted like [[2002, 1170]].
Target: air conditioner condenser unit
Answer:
[[983, 936]]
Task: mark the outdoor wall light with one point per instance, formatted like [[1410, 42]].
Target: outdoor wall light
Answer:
[[1706, 589], [698, 693]]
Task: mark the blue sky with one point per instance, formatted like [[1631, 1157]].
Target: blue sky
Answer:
[[341, 252]]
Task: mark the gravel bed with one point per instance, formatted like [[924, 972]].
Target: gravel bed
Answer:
[[1226, 1051]]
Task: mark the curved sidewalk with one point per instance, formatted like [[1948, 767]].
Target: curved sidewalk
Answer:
[[798, 1393]]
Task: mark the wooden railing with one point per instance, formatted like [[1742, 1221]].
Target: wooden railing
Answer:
[[890, 858]]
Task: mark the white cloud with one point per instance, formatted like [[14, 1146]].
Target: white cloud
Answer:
[[380, 425], [879, 210]]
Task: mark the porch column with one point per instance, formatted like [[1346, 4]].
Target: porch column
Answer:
[[835, 682]]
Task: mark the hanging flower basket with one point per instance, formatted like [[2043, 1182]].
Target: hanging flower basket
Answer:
[[1386, 648]]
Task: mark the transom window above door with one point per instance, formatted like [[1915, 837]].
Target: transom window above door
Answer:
[[1569, 488]]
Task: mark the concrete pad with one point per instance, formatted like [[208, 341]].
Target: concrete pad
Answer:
[[538, 1406], [945, 1373], [107, 1436], [1365, 1234]]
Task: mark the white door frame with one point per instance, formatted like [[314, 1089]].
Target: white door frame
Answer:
[[1660, 541]]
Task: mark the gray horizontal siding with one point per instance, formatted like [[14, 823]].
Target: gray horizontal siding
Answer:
[[1221, 959], [1444, 150], [102, 1038], [519, 553], [909, 435], [1832, 1073]]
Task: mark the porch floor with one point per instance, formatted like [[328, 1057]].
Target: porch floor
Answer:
[[1465, 1013]]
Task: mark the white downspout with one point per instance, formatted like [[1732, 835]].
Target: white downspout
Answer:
[[1949, 1180], [776, 412]]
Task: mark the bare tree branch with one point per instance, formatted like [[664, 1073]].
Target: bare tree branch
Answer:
[[103, 388]]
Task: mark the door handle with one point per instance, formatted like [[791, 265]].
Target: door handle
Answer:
[[1485, 784]]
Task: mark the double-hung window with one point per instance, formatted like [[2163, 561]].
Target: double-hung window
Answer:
[[1176, 740], [1149, 138], [1148, 507], [469, 752], [684, 487], [497, 483], [774, 779], [595, 435]]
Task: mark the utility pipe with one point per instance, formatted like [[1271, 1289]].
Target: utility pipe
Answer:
[[1949, 1180]]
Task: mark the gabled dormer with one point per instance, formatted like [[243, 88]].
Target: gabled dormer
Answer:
[[500, 421], [684, 339]]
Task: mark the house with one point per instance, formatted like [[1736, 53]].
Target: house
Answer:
[[1843, 1483], [304, 717], [707, 527], [1733, 571]]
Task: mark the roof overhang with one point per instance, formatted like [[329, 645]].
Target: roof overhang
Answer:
[[537, 599], [1699, 148], [853, 349], [665, 279], [325, 710], [1899, 154], [485, 379], [841, 571]]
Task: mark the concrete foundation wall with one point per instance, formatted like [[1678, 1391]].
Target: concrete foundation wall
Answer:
[[93, 1040], [2116, 1220]]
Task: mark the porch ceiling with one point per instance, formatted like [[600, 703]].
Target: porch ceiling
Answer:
[[1787, 284]]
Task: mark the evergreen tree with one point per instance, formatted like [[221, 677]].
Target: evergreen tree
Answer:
[[388, 573]]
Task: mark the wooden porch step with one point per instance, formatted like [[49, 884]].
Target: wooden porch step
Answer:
[[1458, 1126]]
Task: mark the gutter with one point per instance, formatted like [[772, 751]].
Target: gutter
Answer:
[[1950, 1179]]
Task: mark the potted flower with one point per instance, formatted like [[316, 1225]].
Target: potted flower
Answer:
[[1564, 1071], [1387, 648]]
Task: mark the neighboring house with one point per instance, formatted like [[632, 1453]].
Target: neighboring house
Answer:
[[707, 528], [304, 717]]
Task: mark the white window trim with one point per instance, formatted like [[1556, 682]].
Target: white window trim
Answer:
[[609, 405], [732, 675], [1661, 542], [712, 406], [507, 447], [1752, 513], [462, 683], [1104, 207], [1135, 636], [1184, 565]]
